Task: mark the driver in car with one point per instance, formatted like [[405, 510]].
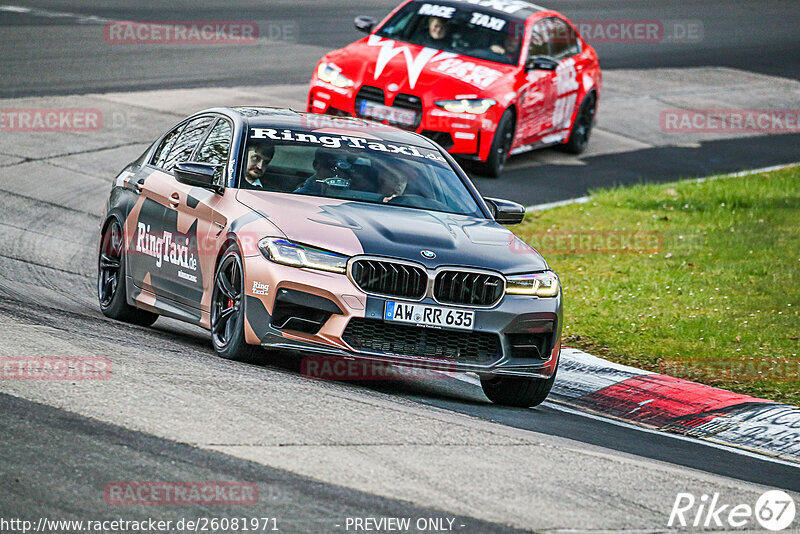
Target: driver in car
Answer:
[[328, 164], [436, 36]]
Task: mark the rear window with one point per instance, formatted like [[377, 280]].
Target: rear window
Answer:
[[354, 168]]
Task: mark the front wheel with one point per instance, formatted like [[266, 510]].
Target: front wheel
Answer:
[[501, 146], [227, 309], [517, 391], [582, 127], [111, 279]]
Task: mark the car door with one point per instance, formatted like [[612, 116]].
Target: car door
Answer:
[[159, 251], [143, 224], [197, 217], [537, 95], [564, 48]]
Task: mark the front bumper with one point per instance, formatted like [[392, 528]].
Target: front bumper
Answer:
[[520, 336], [465, 135]]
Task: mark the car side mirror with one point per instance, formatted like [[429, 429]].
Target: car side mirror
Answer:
[[365, 24], [541, 63], [196, 174], [505, 211]]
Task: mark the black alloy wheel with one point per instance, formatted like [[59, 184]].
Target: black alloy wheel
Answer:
[[228, 310], [111, 292]]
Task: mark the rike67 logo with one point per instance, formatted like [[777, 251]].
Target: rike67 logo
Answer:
[[774, 510]]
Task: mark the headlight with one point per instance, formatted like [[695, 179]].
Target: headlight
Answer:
[[331, 74], [285, 252], [534, 284], [475, 105]]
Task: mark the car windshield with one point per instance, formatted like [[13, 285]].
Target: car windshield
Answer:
[[463, 29], [349, 167]]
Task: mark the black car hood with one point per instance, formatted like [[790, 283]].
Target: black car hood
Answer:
[[398, 232]]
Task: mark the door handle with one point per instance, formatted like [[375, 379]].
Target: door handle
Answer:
[[174, 200], [220, 226]]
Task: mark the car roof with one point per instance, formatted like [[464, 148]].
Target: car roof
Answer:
[[283, 118], [512, 9]]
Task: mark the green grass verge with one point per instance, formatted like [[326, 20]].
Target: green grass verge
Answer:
[[707, 286]]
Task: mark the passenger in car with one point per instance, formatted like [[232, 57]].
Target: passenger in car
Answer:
[[436, 36], [510, 45]]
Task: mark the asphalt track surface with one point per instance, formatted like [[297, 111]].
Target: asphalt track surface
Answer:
[[96, 453], [320, 451]]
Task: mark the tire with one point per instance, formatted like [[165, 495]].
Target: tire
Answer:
[[582, 127], [111, 293], [228, 309], [501, 145], [517, 391]]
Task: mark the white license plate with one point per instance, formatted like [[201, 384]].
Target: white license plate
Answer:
[[387, 113], [429, 316]]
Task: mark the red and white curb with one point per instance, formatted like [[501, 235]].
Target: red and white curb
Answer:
[[677, 406]]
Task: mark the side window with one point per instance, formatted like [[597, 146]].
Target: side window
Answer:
[[398, 26], [187, 142], [574, 45], [161, 153], [540, 39], [564, 43], [216, 148]]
